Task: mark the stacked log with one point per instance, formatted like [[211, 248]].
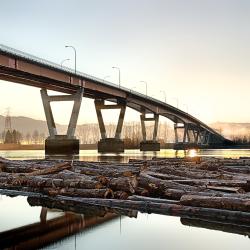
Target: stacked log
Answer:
[[81, 180]]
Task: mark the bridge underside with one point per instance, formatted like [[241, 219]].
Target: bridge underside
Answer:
[[16, 66]]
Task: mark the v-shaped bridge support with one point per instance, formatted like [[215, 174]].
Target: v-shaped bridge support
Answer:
[[188, 135], [61, 143], [149, 145], [115, 144]]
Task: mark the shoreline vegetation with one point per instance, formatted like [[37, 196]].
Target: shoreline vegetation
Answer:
[[26, 130]]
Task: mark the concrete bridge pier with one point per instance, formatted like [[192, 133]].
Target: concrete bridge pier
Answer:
[[61, 144], [187, 136], [149, 145], [204, 138], [115, 144]]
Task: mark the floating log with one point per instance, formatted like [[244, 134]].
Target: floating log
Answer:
[[187, 173], [149, 199], [158, 186], [54, 169], [125, 184], [229, 203], [176, 194], [167, 209], [165, 176], [74, 192], [108, 172], [87, 210], [206, 182], [41, 182]]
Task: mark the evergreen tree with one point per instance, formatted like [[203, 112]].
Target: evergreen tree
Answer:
[[8, 137]]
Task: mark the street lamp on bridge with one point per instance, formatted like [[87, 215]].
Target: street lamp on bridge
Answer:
[[146, 84], [70, 46], [119, 75], [63, 61]]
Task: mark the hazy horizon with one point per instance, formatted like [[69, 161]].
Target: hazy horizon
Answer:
[[28, 125]]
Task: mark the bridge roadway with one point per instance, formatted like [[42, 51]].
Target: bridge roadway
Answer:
[[19, 67]]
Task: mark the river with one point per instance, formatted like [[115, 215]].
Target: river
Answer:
[[102, 230]]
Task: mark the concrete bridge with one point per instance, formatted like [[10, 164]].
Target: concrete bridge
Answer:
[[19, 67]]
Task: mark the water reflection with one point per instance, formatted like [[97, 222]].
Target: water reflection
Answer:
[[92, 155], [91, 227], [50, 230], [192, 153], [216, 225]]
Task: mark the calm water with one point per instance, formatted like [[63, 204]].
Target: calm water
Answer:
[[92, 155], [109, 231]]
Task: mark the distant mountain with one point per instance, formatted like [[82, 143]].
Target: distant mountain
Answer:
[[27, 125]]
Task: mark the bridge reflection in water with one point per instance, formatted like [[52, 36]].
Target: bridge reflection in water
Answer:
[[45, 232]]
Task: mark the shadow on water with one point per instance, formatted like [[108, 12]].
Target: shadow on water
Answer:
[[45, 232]]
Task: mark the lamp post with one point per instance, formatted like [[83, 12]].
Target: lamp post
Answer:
[[64, 61], [146, 84], [165, 96], [69, 46], [119, 75]]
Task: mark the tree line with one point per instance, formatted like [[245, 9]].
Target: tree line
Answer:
[[16, 137], [90, 134]]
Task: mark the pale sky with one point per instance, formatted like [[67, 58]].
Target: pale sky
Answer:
[[196, 50]]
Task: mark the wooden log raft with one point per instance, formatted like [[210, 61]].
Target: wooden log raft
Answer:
[[87, 210], [167, 209], [154, 183], [154, 207]]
